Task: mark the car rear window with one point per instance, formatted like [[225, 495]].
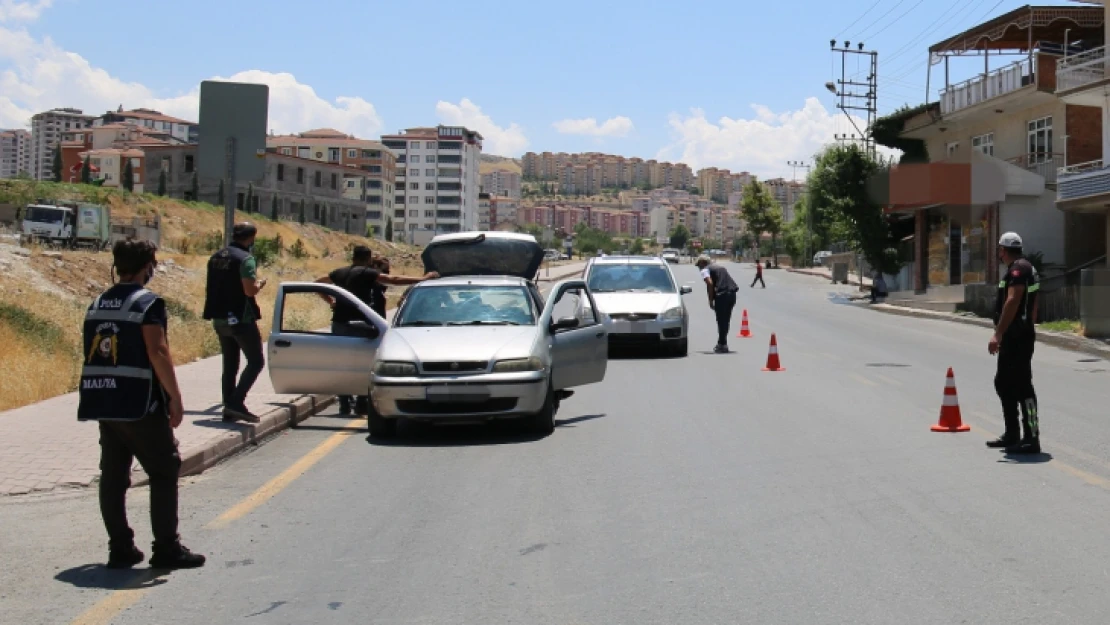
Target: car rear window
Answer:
[[630, 277]]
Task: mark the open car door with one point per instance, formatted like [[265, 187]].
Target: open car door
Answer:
[[579, 338], [305, 360]]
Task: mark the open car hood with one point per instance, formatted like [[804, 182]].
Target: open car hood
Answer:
[[484, 254]]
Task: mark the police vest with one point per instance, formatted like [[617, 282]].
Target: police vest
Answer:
[[225, 297], [117, 380]]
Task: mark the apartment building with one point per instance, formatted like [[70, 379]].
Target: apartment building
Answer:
[[484, 219], [438, 179], [606, 171], [501, 183], [503, 210], [379, 163], [719, 184], [555, 217], [110, 166], [46, 133], [1083, 183], [995, 143], [15, 153], [179, 130], [786, 194]]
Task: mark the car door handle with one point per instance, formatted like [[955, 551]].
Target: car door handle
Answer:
[[282, 343]]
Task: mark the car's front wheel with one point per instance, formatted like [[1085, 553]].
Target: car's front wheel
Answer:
[[679, 348], [543, 422], [379, 426]]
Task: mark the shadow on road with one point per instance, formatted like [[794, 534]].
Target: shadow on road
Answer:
[[640, 352], [97, 576], [1040, 458], [412, 434], [216, 410]]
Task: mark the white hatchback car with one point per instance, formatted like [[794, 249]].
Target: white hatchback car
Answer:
[[641, 299], [475, 345]]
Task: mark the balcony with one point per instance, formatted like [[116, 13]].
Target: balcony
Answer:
[[1000, 82], [1044, 165], [1081, 69], [1081, 184]]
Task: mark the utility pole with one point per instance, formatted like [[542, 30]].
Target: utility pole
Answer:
[[847, 90], [809, 209]]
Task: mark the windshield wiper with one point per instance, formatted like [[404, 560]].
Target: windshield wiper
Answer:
[[479, 322], [421, 323]]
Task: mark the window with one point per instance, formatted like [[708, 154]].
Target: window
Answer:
[[398, 199], [430, 158], [414, 214], [429, 199], [334, 181], [394, 144], [300, 175], [403, 158], [189, 163], [303, 152], [430, 172], [280, 172], [415, 158], [414, 186], [375, 153], [135, 178], [429, 186], [350, 184], [399, 214], [414, 172], [429, 214], [373, 199], [1040, 140], [431, 145], [319, 178], [465, 304], [415, 145], [984, 143], [374, 215], [352, 153], [373, 184], [952, 147], [287, 151]]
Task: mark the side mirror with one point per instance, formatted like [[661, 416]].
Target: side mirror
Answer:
[[685, 289], [566, 323], [365, 330]]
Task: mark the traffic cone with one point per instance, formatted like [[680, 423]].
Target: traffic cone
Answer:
[[745, 333], [950, 419], [773, 356]]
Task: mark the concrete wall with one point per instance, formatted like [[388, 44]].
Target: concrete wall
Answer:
[[1011, 138], [1039, 223]]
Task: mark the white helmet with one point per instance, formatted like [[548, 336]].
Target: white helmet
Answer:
[[1010, 239]]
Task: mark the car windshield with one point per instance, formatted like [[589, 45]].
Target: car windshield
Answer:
[[636, 278], [45, 215], [467, 304]]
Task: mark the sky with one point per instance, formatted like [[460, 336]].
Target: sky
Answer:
[[711, 83]]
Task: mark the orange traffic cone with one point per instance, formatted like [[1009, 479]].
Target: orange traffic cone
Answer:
[[773, 356], [950, 419], [745, 333]]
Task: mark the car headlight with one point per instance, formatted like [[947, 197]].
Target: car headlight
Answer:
[[395, 369], [517, 365], [673, 313]]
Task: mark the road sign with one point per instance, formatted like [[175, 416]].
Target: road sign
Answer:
[[695, 243]]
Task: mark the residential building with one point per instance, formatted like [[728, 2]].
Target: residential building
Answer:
[[503, 210], [786, 194], [1083, 183], [46, 133], [378, 162], [110, 165], [603, 171], [15, 153], [485, 221], [555, 217], [180, 130], [76, 143], [501, 183], [995, 142], [298, 188], [437, 179], [719, 184]]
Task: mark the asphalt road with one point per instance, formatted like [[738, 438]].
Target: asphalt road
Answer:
[[697, 490]]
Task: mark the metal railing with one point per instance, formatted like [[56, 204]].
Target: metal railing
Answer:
[[1080, 69], [1080, 168], [1082, 180], [982, 88], [1044, 164]]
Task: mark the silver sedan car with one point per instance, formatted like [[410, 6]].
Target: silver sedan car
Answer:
[[478, 344], [640, 298]]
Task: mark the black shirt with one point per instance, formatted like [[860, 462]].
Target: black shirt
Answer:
[[1020, 273], [360, 281], [722, 281]]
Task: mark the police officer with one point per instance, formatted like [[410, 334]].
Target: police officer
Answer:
[[362, 280], [379, 304], [722, 297], [1015, 314], [128, 385], [229, 303]]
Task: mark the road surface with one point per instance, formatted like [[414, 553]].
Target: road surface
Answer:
[[697, 490]]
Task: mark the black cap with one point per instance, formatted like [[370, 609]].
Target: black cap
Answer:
[[243, 230]]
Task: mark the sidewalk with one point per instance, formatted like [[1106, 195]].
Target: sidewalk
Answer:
[[821, 272], [43, 447]]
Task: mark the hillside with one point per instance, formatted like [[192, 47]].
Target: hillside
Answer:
[[491, 162], [43, 293]]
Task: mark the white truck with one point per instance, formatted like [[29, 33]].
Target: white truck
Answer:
[[68, 224]]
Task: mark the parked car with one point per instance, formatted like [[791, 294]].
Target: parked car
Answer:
[[670, 255], [642, 301], [478, 344], [819, 258]]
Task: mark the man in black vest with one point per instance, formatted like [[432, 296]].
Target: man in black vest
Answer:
[[1015, 314], [229, 302], [722, 297], [129, 386], [362, 280]]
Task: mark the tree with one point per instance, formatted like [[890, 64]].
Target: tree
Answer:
[[389, 229], [302, 216], [128, 176], [57, 166], [839, 193], [274, 208], [86, 171], [637, 247], [221, 192], [162, 183], [248, 204], [196, 188], [680, 236], [762, 214]]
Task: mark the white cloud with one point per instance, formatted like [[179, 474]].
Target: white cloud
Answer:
[[39, 75], [762, 145], [12, 11], [614, 127], [509, 141]]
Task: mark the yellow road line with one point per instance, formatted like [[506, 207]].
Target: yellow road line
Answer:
[[286, 477], [862, 380], [122, 599], [888, 380]]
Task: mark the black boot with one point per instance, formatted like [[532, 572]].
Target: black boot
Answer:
[[1005, 441], [176, 557], [1025, 447], [124, 558], [344, 405]]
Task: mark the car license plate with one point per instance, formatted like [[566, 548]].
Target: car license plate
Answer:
[[457, 394]]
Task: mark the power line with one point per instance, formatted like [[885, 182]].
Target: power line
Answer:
[[863, 15], [896, 20], [931, 28], [915, 66], [881, 17]]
